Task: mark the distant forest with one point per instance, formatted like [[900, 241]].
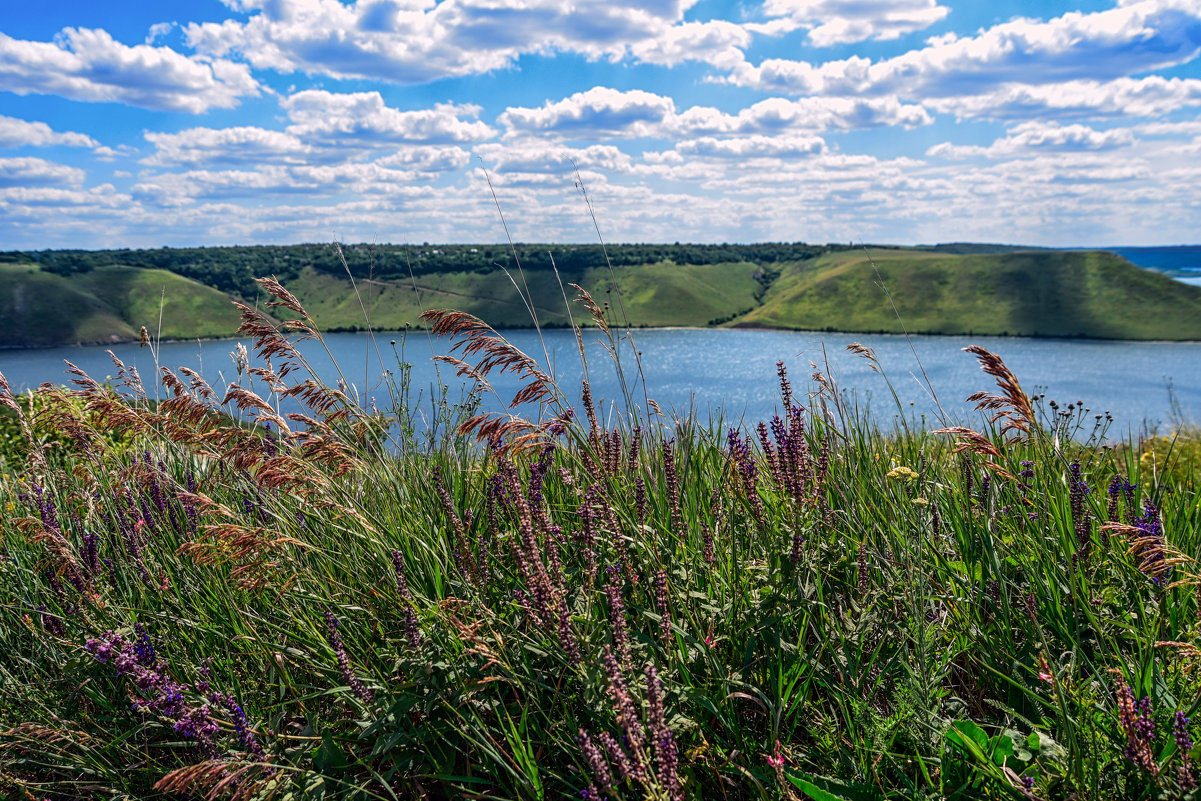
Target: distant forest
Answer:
[[233, 269]]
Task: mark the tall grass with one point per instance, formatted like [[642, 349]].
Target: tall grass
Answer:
[[207, 597]]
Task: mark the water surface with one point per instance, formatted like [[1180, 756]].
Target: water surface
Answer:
[[729, 372]]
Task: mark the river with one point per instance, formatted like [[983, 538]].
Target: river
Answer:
[[733, 372]]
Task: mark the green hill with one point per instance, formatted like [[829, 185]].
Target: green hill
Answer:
[[1017, 292], [1047, 293], [663, 294], [108, 304]]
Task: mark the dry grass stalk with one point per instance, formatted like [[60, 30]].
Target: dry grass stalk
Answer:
[[867, 353], [478, 339], [1011, 405], [214, 779], [282, 296], [1155, 557], [6, 395], [975, 442], [129, 376], [245, 399], [596, 312], [317, 396]]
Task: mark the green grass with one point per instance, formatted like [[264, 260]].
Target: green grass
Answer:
[[109, 304], [1055, 293], [663, 294], [842, 613]]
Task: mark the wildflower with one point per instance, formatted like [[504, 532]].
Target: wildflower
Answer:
[[402, 587], [920, 500], [662, 607], [708, 553], [344, 668], [617, 615], [1184, 744], [662, 739], [902, 473], [1138, 725], [596, 762]]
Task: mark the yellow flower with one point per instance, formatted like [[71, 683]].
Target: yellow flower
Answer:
[[902, 473], [920, 501]]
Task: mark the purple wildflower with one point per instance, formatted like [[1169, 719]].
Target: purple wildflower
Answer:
[[352, 681], [596, 762], [667, 761]]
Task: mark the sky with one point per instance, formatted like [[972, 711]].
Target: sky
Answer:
[[222, 122]]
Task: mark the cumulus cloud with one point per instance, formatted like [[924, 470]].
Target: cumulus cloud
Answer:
[[602, 111], [179, 188], [362, 119], [1104, 45], [788, 146], [31, 172], [22, 133], [831, 22], [427, 158], [1151, 96], [1040, 137], [89, 65], [410, 41], [237, 145], [551, 157]]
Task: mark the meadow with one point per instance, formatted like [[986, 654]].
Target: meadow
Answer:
[[205, 596]]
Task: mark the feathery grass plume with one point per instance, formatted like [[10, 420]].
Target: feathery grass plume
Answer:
[[221, 779], [972, 441], [1011, 405], [867, 353], [475, 337]]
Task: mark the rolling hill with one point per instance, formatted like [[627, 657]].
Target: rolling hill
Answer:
[[108, 304], [952, 290], [1036, 293]]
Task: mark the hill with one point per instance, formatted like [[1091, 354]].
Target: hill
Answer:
[[107, 304], [79, 296], [1037, 293]]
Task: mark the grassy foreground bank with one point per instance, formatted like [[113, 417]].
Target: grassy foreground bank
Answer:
[[335, 604]]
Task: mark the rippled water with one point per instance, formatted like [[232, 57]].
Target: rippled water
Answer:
[[733, 371]]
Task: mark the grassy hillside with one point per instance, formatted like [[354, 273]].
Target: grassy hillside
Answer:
[[1030, 292], [1055, 293], [663, 294], [108, 304]]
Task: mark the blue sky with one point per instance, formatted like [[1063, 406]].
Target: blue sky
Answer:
[[213, 122]]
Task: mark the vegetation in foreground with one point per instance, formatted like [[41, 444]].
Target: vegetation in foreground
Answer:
[[61, 297], [205, 597]]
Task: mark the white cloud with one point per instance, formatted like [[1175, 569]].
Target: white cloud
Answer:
[[427, 158], [89, 65], [1151, 96], [410, 41], [787, 146], [352, 178], [551, 158], [831, 22], [1099, 46], [717, 42], [597, 111], [31, 172], [22, 133], [1040, 137], [602, 111], [362, 119], [238, 145]]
